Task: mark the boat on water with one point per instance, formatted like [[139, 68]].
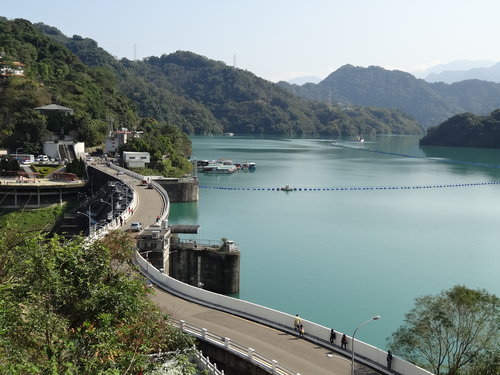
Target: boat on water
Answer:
[[287, 188], [229, 134], [220, 167], [246, 166]]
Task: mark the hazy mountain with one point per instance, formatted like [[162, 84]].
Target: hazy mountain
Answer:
[[428, 103], [457, 65], [303, 80], [491, 73]]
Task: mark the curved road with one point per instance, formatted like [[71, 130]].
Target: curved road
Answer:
[[298, 355]]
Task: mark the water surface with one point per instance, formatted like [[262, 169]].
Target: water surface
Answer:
[[341, 257]]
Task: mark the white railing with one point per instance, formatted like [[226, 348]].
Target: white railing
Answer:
[[205, 364], [248, 354], [365, 353]]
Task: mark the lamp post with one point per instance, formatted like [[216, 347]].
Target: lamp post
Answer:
[[84, 214], [17, 149], [111, 205], [377, 317], [88, 215]]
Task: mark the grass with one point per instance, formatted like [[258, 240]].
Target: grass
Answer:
[[32, 220], [43, 169]]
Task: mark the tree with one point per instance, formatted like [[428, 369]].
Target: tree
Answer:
[[452, 333], [69, 307]]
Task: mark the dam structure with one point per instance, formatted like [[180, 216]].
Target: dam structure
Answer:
[[265, 337]]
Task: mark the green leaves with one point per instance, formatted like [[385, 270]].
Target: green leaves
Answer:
[[451, 332], [72, 307]]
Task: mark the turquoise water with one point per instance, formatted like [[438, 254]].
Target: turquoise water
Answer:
[[341, 257]]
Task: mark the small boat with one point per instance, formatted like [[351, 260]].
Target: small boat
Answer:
[[287, 188], [229, 134], [220, 167], [248, 166]]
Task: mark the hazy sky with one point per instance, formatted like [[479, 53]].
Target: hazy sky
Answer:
[[282, 39]]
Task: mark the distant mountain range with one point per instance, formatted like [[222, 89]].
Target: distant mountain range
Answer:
[[428, 103], [490, 73], [191, 92]]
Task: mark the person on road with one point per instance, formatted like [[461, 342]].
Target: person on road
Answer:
[[297, 322], [333, 336], [343, 342], [301, 331], [389, 359]]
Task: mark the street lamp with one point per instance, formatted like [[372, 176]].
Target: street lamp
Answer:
[[84, 214], [352, 345], [88, 215], [17, 149], [111, 205]]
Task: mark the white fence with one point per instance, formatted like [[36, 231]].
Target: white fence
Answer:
[[365, 353]]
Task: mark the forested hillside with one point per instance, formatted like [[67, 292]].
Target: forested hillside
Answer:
[[204, 96], [54, 74], [429, 103], [182, 91], [466, 130]]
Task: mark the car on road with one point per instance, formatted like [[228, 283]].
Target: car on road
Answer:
[[136, 226]]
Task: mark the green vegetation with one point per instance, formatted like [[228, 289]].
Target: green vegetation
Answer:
[[466, 130], [8, 165], [453, 333], [70, 307], [202, 96], [44, 170], [31, 221], [77, 166], [428, 103]]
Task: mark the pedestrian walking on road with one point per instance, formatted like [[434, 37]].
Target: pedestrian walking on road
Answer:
[[389, 359], [301, 331], [297, 322], [343, 342], [333, 336]]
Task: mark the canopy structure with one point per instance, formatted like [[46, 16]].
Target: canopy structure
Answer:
[[55, 108], [186, 229]]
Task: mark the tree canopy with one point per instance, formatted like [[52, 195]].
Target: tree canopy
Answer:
[[70, 307], [453, 333], [466, 130]]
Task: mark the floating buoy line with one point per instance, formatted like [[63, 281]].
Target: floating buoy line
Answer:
[[289, 188], [351, 188]]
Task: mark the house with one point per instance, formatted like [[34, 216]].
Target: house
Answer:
[[9, 69], [116, 138], [135, 159]]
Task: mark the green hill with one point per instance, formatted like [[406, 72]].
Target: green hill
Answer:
[[182, 91], [54, 74], [204, 96], [428, 103], [466, 130]]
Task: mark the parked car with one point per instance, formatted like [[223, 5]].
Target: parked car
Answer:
[[136, 226]]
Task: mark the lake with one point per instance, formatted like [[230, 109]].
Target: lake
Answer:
[[363, 247]]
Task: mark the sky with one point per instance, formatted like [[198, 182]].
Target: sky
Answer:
[[282, 39]]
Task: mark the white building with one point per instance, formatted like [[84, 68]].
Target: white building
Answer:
[[135, 159], [119, 137]]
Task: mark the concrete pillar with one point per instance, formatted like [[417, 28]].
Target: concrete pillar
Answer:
[[275, 364], [227, 341], [181, 325], [251, 352], [204, 333]]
